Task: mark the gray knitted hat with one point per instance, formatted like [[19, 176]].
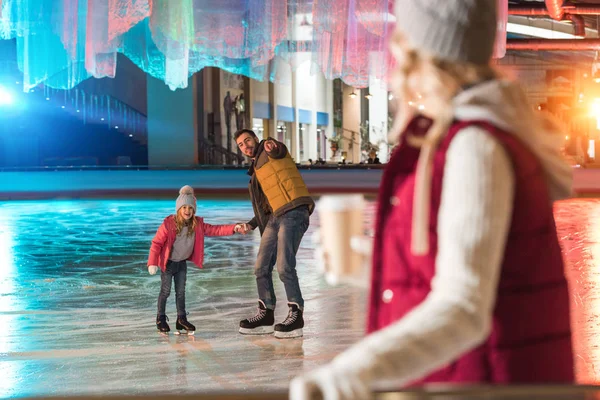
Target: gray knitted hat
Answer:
[[186, 198], [452, 30]]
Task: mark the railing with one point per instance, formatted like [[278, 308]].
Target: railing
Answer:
[[181, 167], [217, 155], [525, 392], [99, 110]]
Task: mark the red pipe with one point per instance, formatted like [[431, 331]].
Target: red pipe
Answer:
[[555, 9], [528, 11], [578, 24], [553, 44], [572, 14], [583, 10], [542, 11]]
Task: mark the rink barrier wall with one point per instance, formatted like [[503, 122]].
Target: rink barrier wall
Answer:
[[227, 182]]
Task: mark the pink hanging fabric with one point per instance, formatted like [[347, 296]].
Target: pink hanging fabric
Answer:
[[351, 38], [124, 14], [500, 45], [68, 28]]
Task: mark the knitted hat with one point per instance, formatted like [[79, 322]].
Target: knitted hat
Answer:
[[186, 198], [452, 30]]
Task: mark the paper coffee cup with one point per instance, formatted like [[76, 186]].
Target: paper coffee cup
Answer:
[[341, 218]]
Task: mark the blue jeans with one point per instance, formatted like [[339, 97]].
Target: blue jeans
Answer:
[[177, 271], [278, 246]]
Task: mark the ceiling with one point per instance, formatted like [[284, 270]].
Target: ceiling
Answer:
[[577, 57], [591, 21]]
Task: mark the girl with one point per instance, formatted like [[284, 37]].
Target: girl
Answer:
[[181, 238], [468, 283]]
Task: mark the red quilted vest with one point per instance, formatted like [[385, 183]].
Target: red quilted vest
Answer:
[[530, 340]]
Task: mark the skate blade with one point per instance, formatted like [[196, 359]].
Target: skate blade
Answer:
[[289, 335], [184, 332], [261, 330]]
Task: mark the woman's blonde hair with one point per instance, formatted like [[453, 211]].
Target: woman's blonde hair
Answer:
[[431, 82], [180, 222]]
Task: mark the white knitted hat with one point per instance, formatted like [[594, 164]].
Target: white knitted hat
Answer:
[[452, 30], [186, 198]]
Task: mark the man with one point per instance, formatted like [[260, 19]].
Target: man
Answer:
[[282, 206], [373, 159]]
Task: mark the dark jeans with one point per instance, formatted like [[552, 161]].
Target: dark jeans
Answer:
[[177, 271], [278, 246]]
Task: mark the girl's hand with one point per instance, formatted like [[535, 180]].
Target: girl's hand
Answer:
[[152, 269], [242, 229]]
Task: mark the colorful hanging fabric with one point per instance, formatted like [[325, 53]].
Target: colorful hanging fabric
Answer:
[[63, 42]]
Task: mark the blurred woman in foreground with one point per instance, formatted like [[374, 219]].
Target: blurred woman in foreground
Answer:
[[468, 281]]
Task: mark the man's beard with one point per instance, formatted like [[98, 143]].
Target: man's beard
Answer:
[[254, 151]]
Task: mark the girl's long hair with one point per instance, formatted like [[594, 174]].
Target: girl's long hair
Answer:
[[432, 83], [180, 222]]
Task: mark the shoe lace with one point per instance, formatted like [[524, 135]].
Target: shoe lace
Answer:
[[291, 317], [260, 315]]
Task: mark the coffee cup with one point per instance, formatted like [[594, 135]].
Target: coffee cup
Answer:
[[341, 219]]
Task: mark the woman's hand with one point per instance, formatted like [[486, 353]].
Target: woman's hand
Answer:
[[327, 383]]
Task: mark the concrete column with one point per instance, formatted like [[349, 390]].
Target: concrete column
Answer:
[[273, 104], [329, 131], [318, 89], [351, 124], [172, 124], [296, 124], [378, 117]]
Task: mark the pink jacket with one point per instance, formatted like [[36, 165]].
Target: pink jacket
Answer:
[[162, 244]]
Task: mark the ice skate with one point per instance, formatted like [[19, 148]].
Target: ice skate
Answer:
[[183, 326], [260, 324], [161, 324], [293, 324]]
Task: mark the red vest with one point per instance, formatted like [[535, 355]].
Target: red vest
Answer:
[[530, 340]]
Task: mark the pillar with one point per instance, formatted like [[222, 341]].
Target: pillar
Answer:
[[172, 123]]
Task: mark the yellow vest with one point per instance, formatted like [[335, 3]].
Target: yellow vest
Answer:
[[281, 181]]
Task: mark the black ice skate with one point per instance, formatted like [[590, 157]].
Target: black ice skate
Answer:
[[161, 324], [293, 324], [260, 324], [183, 324]]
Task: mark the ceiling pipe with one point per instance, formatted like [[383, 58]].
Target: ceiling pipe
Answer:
[[578, 24], [528, 11], [583, 10], [553, 44], [539, 11], [555, 9]]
